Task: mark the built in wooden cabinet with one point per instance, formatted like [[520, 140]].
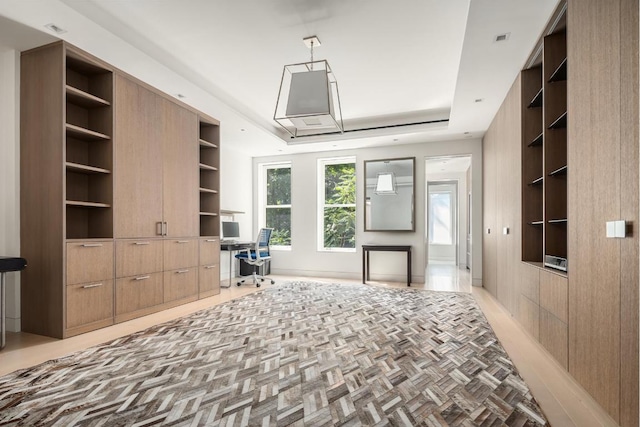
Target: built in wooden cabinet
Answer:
[[118, 183], [544, 147]]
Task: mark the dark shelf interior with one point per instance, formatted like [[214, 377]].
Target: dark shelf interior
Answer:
[[537, 141], [560, 122], [537, 100], [560, 171], [560, 74]]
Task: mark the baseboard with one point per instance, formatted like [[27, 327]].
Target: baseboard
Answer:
[[13, 325], [350, 276], [476, 282]]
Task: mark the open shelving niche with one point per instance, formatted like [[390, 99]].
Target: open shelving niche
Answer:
[[209, 140], [88, 148], [544, 150]]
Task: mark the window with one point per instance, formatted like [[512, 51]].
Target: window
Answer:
[[440, 218], [275, 202], [337, 204]]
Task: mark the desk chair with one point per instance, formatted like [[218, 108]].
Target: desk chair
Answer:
[[257, 256]]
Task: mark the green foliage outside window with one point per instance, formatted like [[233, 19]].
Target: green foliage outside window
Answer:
[[278, 216], [340, 221]]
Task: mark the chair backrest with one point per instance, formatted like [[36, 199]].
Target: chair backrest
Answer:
[[264, 237]]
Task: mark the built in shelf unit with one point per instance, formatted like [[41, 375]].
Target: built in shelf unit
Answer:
[[117, 219], [209, 177], [544, 149]]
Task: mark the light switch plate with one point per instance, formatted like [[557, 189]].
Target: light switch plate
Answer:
[[505, 230], [616, 229]]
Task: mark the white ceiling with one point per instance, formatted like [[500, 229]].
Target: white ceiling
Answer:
[[447, 165], [396, 61]]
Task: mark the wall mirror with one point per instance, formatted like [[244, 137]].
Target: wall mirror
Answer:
[[389, 195]]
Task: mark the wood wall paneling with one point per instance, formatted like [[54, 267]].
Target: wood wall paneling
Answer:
[[530, 282], [529, 316], [490, 230], [594, 89], [629, 378], [41, 95]]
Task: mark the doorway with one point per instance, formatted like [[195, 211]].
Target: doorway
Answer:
[[448, 212]]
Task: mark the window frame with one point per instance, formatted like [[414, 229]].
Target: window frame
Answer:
[[262, 198], [321, 176]]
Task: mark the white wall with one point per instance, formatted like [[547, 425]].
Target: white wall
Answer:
[[10, 177], [305, 260], [236, 189]]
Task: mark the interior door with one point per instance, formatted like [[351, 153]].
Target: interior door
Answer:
[[138, 161], [181, 178]]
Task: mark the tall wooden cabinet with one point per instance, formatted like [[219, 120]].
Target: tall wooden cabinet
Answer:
[[110, 196], [580, 169]]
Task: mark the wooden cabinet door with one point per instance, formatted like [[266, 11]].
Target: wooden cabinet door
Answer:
[[180, 170], [489, 220], [138, 161]]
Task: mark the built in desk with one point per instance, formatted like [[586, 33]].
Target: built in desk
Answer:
[[384, 248]]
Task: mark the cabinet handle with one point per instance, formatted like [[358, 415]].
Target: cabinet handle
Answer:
[[142, 243], [208, 267], [165, 228], [211, 240], [160, 228], [92, 245], [95, 285], [182, 271], [142, 278], [182, 241]]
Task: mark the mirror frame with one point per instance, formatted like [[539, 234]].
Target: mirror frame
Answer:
[[413, 195]]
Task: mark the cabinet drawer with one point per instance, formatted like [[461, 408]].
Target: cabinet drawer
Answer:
[[554, 295], [138, 292], [136, 257], [209, 280], [209, 251], [89, 302], [89, 262], [180, 284], [180, 253]]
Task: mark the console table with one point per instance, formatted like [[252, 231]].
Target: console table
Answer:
[[384, 248], [7, 264]]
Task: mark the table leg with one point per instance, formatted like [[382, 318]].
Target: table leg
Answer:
[[368, 266], [409, 267], [230, 266], [363, 266], [2, 313]]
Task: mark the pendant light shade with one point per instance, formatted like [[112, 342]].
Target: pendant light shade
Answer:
[[308, 101]]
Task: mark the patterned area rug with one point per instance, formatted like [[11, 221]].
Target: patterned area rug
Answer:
[[301, 354]]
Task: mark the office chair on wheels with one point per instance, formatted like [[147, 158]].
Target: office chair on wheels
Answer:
[[257, 256]]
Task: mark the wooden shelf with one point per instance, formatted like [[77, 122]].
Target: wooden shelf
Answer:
[[537, 100], [77, 167], [560, 171], [208, 144], [84, 99], [208, 190], [541, 222], [85, 134], [537, 181], [560, 122], [558, 221], [560, 74], [537, 141], [208, 214], [86, 204], [208, 167]]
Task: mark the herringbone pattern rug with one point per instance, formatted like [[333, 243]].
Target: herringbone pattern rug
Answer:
[[301, 354]]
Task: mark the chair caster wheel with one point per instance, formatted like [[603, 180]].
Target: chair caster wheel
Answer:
[[257, 285], [273, 283], [238, 284], [262, 280]]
